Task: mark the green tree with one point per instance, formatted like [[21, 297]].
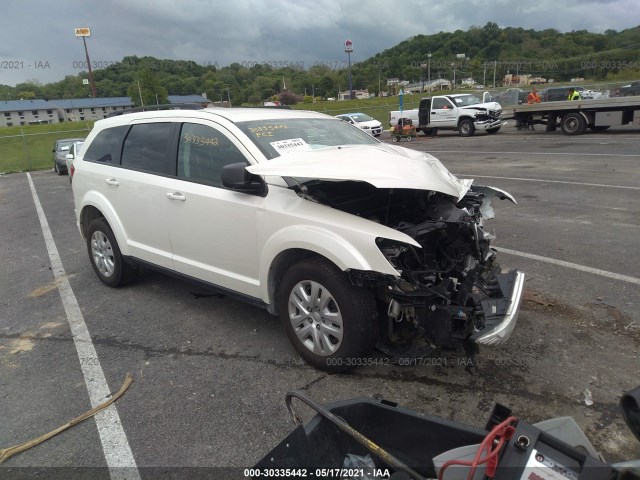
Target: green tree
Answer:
[[147, 89]]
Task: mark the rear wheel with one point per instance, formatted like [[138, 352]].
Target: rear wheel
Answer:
[[395, 139], [573, 124], [466, 128], [105, 256], [329, 321], [409, 138]]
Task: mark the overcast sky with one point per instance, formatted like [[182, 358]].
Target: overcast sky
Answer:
[[37, 40]]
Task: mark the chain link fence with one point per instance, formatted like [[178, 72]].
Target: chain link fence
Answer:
[[32, 151]]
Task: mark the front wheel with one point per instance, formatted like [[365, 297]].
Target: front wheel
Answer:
[[466, 128], [395, 139], [105, 256], [330, 322]]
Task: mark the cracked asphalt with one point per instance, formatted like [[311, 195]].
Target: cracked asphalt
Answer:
[[211, 372]]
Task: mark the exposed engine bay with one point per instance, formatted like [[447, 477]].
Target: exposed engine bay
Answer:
[[451, 292]]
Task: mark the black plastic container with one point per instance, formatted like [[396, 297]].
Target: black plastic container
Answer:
[[411, 437]]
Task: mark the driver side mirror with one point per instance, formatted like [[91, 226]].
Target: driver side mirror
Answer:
[[235, 177], [630, 404]]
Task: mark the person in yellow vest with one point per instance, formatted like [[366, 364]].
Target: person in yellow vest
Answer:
[[574, 95]]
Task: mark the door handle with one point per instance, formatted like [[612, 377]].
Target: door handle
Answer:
[[112, 181], [176, 196]]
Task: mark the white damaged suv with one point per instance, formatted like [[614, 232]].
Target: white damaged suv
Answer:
[[353, 243]]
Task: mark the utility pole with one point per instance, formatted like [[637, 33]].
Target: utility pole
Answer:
[[140, 93], [495, 64]]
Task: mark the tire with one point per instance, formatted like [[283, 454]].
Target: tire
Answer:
[[491, 131], [332, 336], [104, 254], [409, 138], [599, 128], [59, 171], [573, 124], [466, 128], [395, 139], [55, 168]]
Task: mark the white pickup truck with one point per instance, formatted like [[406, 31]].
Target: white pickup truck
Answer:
[[464, 112]]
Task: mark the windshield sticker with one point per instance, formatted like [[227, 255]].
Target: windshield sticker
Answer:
[[284, 147], [200, 141], [267, 130]]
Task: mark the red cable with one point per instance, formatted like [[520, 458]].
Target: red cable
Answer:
[[504, 431]]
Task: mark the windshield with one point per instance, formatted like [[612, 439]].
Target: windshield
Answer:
[[65, 144], [362, 117], [464, 100], [280, 136]]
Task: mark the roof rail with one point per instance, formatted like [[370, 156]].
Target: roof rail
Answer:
[[151, 108]]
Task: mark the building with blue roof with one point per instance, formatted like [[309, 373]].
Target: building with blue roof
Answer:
[[199, 99], [30, 112], [79, 109], [26, 112]]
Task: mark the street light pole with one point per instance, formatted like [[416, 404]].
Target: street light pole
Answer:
[[84, 32], [429, 71], [348, 48]]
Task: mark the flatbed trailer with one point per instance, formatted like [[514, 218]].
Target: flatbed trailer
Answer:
[[575, 116]]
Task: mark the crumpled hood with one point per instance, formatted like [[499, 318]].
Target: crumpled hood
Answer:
[[383, 166], [483, 106]]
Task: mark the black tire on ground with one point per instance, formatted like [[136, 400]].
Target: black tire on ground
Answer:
[[329, 321], [599, 128], [104, 254], [493, 130], [409, 138], [55, 168], [466, 128], [573, 124], [395, 139]]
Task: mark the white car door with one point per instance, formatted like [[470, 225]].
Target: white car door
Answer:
[[135, 189], [212, 229], [443, 113]]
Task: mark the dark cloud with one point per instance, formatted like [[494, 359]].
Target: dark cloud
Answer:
[[212, 31]]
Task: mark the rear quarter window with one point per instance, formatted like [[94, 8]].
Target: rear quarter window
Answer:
[[107, 146]]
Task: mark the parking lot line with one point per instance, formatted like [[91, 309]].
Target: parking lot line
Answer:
[[476, 152], [575, 266], [115, 445], [550, 181]]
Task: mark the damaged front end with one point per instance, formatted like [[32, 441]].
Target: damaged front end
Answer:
[[451, 293]]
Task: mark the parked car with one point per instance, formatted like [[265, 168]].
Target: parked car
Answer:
[[628, 90], [557, 94], [352, 242], [60, 150], [74, 150], [363, 122]]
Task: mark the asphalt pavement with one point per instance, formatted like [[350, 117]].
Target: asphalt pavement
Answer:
[[210, 373]]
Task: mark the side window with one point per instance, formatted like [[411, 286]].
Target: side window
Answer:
[[148, 148], [202, 153], [440, 103], [107, 146]]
